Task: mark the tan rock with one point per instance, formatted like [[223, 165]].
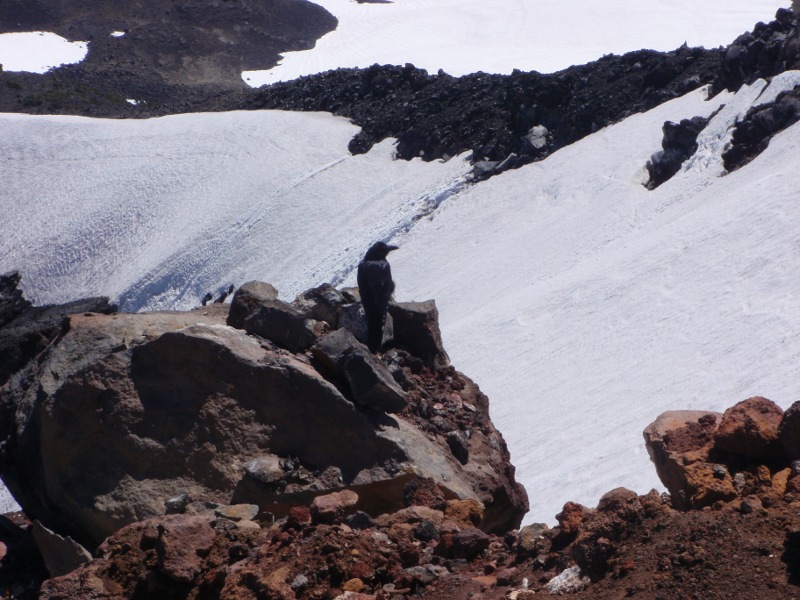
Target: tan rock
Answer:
[[354, 585], [780, 481], [707, 483], [237, 512], [333, 508], [675, 440]]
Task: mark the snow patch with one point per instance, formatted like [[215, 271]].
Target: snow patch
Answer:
[[497, 36], [39, 51]]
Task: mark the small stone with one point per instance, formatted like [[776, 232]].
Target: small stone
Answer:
[[751, 504], [533, 540], [299, 582], [237, 512], [569, 581], [354, 585], [178, 504], [469, 543], [522, 595], [506, 576], [361, 520], [332, 508], [426, 531], [719, 471]]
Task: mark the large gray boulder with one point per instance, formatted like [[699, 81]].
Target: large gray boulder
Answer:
[[126, 412]]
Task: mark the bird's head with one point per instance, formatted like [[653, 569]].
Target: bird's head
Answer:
[[378, 251]]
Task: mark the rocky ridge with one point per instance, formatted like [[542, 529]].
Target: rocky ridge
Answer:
[[500, 121], [235, 467], [243, 413]]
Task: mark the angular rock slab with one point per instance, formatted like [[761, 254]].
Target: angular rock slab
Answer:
[[416, 329], [370, 383], [676, 439]]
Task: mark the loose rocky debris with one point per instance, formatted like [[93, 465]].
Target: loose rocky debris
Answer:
[[771, 48]]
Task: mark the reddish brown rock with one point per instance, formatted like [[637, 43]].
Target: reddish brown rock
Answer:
[[298, 517], [182, 542], [469, 543], [424, 492], [707, 483], [789, 431], [467, 513], [750, 429], [333, 508], [675, 440]]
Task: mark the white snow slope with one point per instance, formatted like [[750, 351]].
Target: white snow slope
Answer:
[[581, 303], [497, 36]]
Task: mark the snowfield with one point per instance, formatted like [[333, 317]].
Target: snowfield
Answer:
[[582, 304], [497, 36]]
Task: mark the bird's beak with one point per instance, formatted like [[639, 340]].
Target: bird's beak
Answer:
[[390, 248]]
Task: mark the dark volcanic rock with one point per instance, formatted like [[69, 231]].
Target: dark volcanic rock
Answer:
[[515, 118], [416, 329], [761, 123], [12, 302], [172, 53], [26, 330], [769, 49], [679, 144], [247, 298], [370, 383]]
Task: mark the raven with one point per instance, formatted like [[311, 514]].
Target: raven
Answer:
[[375, 286]]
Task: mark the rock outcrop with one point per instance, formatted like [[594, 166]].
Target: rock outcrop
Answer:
[[708, 459], [752, 134], [679, 143], [26, 330], [226, 466], [126, 417]]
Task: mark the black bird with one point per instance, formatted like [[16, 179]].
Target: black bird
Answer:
[[375, 286]]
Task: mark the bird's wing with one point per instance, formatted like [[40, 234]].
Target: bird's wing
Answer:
[[375, 281]]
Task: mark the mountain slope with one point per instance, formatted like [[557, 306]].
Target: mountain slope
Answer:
[[580, 301]]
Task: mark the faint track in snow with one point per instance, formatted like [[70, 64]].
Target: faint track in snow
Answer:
[[429, 203], [175, 275]]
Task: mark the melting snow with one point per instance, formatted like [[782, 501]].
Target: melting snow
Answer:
[[38, 51]]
